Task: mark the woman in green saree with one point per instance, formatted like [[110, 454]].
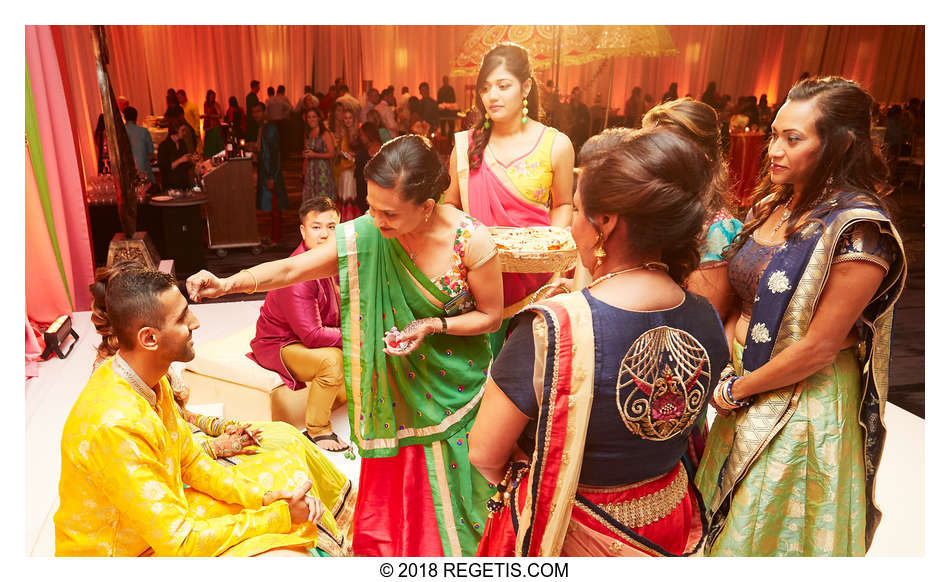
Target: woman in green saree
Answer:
[[429, 270]]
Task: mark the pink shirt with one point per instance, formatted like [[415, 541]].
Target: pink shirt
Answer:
[[307, 313]]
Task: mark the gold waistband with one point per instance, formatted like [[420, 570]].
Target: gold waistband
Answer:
[[651, 507]]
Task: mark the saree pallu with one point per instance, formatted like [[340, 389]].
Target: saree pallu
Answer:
[[410, 416], [790, 421], [544, 511]]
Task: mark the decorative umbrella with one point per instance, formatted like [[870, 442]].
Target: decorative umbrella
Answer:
[[539, 40], [629, 41]]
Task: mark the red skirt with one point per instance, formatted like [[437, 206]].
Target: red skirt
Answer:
[[395, 513], [677, 531]]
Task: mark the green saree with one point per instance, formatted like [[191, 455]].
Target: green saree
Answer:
[[409, 415]]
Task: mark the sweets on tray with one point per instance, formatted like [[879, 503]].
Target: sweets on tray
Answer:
[[534, 249]]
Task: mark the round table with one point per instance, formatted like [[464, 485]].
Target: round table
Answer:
[[745, 163]]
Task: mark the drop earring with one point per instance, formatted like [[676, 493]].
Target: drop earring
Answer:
[[599, 253], [524, 110], [487, 123]]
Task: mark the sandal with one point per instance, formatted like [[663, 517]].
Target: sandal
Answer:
[[326, 437]]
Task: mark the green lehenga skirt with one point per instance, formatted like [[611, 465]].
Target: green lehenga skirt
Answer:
[[805, 495]]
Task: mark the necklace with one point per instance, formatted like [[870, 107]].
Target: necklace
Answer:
[[651, 265], [785, 216]]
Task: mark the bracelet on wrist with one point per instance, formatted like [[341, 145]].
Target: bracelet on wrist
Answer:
[[722, 394], [445, 325], [256, 285]]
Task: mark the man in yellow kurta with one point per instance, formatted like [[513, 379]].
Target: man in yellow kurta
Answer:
[[127, 455]]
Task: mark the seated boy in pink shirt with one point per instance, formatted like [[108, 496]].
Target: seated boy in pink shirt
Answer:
[[298, 332]]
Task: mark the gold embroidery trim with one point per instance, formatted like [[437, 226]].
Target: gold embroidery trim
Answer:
[[618, 488], [652, 507]]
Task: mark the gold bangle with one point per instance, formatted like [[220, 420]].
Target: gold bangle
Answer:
[[252, 277]]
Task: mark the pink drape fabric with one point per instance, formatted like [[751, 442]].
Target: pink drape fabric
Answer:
[[66, 192], [46, 297]]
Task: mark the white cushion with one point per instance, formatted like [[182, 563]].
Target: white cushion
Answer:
[[225, 359]]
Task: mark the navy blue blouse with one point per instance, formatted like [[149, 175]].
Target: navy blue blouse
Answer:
[[653, 375]]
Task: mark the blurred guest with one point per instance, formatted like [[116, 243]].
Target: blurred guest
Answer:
[[236, 118], [372, 99], [174, 159], [373, 117], [349, 101], [765, 112], [710, 96], [318, 153], [633, 110], [429, 108], [250, 132], [347, 143], [402, 110], [270, 178], [580, 114], [671, 93], [387, 117], [171, 101], [192, 115], [327, 101], [446, 94], [141, 141], [214, 137], [278, 113]]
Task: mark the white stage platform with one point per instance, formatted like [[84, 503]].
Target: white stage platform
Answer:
[[50, 396]]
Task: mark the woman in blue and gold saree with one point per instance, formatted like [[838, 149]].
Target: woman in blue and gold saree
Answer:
[[597, 392], [791, 459], [430, 271]]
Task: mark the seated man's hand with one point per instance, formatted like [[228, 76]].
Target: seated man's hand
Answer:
[[303, 507]]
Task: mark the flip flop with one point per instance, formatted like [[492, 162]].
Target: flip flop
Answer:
[[326, 437]]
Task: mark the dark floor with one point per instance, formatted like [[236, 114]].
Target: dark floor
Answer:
[[907, 352]]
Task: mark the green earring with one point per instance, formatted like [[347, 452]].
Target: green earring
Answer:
[[487, 123], [524, 110]]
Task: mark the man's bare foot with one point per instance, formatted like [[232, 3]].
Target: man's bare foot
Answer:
[[328, 442]]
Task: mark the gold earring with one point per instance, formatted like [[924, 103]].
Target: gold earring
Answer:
[[487, 123], [599, 253], [524, 110]]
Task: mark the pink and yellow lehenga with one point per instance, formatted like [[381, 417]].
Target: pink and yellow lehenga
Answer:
[[514, 194]]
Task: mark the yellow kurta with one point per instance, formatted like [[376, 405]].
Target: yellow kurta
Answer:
[[125, 465]]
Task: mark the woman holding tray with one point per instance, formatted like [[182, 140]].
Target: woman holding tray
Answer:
[[510, 169], [431, 271]]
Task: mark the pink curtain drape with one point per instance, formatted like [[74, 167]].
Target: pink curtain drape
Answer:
[[742, 60], [752, 60], [63, 191]]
